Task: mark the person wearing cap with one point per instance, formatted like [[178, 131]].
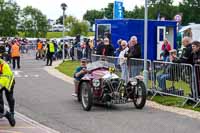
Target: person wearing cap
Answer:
[[79, 73], [50, 52], [7, 83], [169, 71], [81, 70]]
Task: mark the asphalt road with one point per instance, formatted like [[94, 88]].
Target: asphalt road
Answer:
[[48, 101]]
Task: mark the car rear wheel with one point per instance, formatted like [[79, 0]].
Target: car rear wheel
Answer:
[[140, 95], [86, 96]]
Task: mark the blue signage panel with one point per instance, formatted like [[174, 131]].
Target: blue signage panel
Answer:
[[118, 10]]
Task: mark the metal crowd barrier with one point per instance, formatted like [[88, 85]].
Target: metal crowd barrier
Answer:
[[165, 78], [197, 83], [26, 48], [174, 79], [136, 67], [75, 54]]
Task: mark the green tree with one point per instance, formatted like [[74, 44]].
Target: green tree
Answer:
[[69, 21], [78, 27], [8, 18], [91, 15], [190, 10], [60, 20], [34, 23], [108, 11], [163, 7]]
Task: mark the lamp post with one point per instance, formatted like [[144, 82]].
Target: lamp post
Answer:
[[63, 6], [145, 43]]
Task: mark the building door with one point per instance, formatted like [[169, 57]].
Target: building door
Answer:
[[161, 30]]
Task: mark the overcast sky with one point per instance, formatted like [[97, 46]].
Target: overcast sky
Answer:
[[77, 8]]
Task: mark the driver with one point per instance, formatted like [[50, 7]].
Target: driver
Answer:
[[7, 84], [79, 73]]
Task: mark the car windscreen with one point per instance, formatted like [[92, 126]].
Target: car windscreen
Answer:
[[99, 64]]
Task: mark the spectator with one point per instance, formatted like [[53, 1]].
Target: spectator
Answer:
[[84, 50], [107, 49], [118, 50], [123, 61], [134, 52], [99, 47], [166, 47], [186, 56], [168, 73], [50, 52], [196, 52], [15, 53], [134, 48], [196, 60], [39, 53]]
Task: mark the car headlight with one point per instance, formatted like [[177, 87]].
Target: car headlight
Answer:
[[133, 81], [96, 82]]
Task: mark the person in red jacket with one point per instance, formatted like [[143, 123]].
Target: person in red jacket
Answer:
[[166, 47]]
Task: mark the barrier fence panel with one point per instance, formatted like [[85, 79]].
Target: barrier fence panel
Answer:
[[27, 48], [75, 54], [197, 83], [136, 67], [174, 79]]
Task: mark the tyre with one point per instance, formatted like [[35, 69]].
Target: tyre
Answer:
[[86, 96], [79, 97], [140, 95]]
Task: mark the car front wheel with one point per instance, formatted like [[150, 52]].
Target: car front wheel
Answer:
[[86, 96]]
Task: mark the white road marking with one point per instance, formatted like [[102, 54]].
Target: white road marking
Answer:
[[17, 73], [36, 75]]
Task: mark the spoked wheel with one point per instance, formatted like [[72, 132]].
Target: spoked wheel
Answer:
[[86, 96], [140, 95]]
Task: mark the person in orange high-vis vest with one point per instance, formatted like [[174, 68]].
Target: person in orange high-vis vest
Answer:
[[15, 53], [39, 50]]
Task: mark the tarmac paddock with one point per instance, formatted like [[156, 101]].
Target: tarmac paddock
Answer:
[[23, 125]]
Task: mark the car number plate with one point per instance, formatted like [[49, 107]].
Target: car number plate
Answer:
[[118, 101]]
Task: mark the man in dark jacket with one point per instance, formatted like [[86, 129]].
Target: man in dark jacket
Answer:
[[196, 52], [196, 60], [99, 47], [134, 52], [107, 48], [186, 56], [134, 48]]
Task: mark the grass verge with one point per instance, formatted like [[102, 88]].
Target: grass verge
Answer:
[[68, 67]]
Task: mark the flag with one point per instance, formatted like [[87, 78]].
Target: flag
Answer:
[[158, 16]]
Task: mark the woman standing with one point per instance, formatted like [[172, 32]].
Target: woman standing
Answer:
[[123, 61]]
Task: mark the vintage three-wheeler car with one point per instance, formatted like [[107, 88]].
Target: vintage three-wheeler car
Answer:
[[102, 85]]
